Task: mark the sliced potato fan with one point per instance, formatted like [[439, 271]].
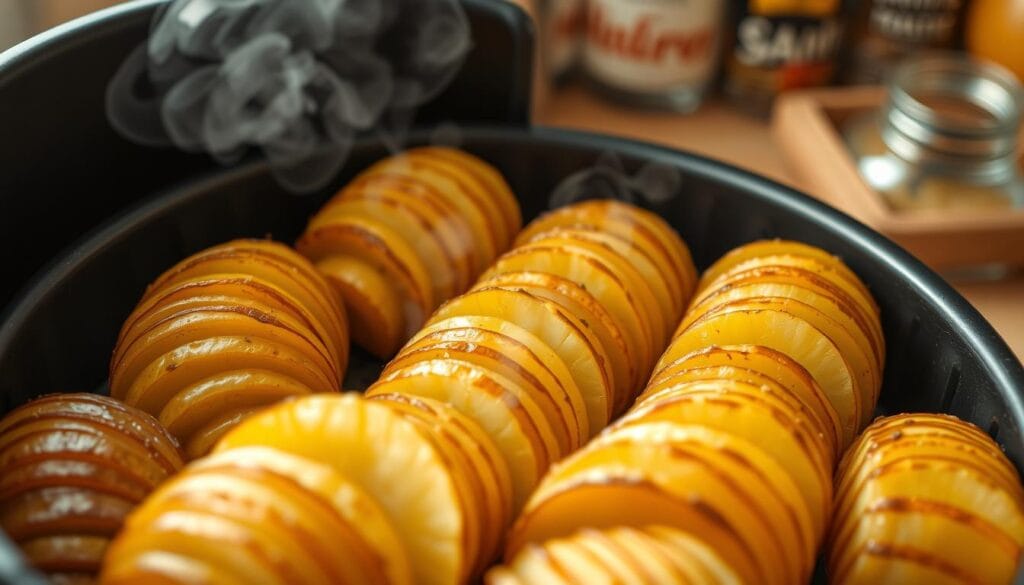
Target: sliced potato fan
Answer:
[[405, 235], [227, 331], [72, 468], [926, 498]]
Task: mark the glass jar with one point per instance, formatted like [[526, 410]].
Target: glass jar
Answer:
[[946, 137]]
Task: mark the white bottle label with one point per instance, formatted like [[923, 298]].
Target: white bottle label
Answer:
[[653, 45]]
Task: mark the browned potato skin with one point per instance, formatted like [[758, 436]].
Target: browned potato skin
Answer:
[[72, 467]]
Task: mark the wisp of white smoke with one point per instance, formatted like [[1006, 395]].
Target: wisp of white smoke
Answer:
[[297, 79], [653, 183]]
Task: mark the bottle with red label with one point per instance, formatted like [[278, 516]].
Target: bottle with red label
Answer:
[[778, 45], [659, 53]]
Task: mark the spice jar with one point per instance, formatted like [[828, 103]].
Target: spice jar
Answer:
[[777, 45], [660, 53], [946, 138], [887, 31]]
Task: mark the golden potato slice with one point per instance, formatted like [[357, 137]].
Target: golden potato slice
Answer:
[[515, 363], [597, 280], [442, 220], [275, 263], [374, 306], [819, 298], [745, 412], [638, 290], [441, 267], [761, 366], [304, 518], [562, 332], [197, 404], [234, 288], [486, 237], [385, 455], [481, 465], [627, 221], [815, 278], [670, 305], [503, 410], [476, 329], [866, 377], [378, 245], [576, 300], [692, 556], [498, 188], [684, 476], [762, 249], [194, 319], [456, 177], [770, 325], [166, 359]]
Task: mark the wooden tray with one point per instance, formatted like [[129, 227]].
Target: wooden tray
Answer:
[[805, 126]]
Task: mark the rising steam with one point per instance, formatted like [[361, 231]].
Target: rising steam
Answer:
[[297, 79], [654, 183]]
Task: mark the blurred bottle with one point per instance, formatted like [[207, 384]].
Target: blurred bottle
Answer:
[[887, 31], [777, 45], [658, 53], [995, 30]]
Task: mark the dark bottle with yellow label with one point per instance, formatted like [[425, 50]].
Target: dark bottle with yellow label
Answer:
[[885, 32], [778, 45]]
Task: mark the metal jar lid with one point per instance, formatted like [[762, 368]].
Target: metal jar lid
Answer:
[[953, 111]]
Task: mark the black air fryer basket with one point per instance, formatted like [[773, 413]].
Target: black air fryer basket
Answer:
[[87, 219]]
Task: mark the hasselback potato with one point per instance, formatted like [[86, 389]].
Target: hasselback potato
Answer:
[[72, 467], [225, 332], [925, 498], [408, 233]]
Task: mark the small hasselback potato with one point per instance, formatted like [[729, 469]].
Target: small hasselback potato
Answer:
[[72, 467], [225, 332], [652, 555], [403, 465], [925, 498], [408, 233], [258, 515], [819, 292]]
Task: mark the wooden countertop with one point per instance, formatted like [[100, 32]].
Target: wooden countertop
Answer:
[[720, 132]]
